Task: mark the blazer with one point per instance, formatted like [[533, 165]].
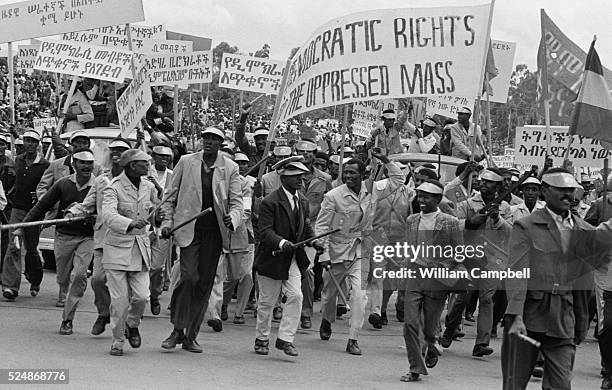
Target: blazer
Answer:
[[187, 202], [275, 224]]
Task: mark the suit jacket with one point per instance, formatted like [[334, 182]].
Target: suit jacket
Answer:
[[275, 224], [187, 202]]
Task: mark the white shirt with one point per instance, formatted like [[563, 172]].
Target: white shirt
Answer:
[[565, 225], [292, 203], [428, 221]]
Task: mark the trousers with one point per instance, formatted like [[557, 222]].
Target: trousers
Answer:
[[160, 251], [102, 298], [129, 292], [244, 280], [11, 268]]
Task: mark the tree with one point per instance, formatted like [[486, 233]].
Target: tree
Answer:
[[293, 51], [264, 52], [218, 51]]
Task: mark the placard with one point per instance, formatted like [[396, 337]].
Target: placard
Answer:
[[503, 52], [42, 18], [531, 147], [83, 60], [41, 123], [116, 36], [161, 46], [26, 56], [366, 115], [134, 102], [180, 69], [251, 74], [448, 105], [389, 53]]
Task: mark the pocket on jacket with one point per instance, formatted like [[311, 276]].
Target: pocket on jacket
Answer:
[[119, 240], [535, 295], [546, 246]]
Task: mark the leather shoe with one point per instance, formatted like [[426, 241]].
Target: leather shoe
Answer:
[[469, 317], [341, 310], [306, 323], [239, 320], [176, 337], [375, 320], [352, 347], [325, 329], [286, 347], [431, 356], [261, 347], [400, 315], [100, 325], [66, 328], [538, 372], [216, 324], [384, 319], [224, 315], [133, 337], [116, 351], [192, 346], [277, 314], [34, 290], [9, 294], [481, 350], [155, 307], [446, 340]]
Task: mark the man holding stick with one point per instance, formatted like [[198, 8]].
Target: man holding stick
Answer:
[[73, 242], [204, 179]]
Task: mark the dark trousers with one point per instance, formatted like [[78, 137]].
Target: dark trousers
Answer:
[[11, 268], [605, 336], [399, 303], [471, 302], [199, 263], [518, 359], [500, 302]]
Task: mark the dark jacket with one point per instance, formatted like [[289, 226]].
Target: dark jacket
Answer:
[[275, 224], [26, 181]]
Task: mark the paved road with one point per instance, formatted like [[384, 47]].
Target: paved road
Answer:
[[29, 339]]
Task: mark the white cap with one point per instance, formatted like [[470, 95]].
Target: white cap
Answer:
[[19, 141], [336, 159], [560, 180], [119, 143], [429, 122], [241, 157], [78, 133], [32, 134], [282, 151], [261, 132], [6, 138], [215, 131], [84, 155], [306, 146], [490, 176], [531, 180], [431, 187], [464, 110], [163, 150]]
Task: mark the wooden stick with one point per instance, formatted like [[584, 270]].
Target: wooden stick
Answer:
[[164, 200], [198, 215], [256, 99], [343, 142], [21, 225]]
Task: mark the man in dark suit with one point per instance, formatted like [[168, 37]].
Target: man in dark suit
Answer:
[[283, 221]]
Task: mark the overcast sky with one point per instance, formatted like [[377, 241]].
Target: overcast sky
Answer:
[[285, 24]]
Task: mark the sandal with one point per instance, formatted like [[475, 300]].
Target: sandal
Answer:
[[411, 377], [431, 357]]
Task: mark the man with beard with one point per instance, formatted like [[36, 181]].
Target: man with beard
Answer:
[[462, 133], [73, 242], [93, 203]]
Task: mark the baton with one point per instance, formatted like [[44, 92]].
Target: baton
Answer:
[[21, 225], [529, 340], [164, 200], [198, 215], [256, 166], [305, 242], [337, 284]]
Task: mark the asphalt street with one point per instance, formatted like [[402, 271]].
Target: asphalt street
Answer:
[[30, 339]]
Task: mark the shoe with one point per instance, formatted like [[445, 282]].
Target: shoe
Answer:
[[458, 334], [446, 340], [431, 356], [469, 318], [60, 303], [66, 328], [133, 336], [482, 350], [410, 377], [606, 383], [224, 313], [538, 372], [305, 322], [286, 347], [100, 325], [261, 347], [375, 320], [216, 324], [239, 320], [325, 329], [385, 321], [352, 347], [192, 346], [34, 290], [176, 337], [155, 307], [9, 294], [400, 316], [116, 351], [277, 314], [341, 310]]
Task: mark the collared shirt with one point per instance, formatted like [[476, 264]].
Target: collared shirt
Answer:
[[564, 225], [521, 210], [79, 188], [290, 197], [428, 221]]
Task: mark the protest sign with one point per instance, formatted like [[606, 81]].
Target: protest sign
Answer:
[[180, 69], [40, 124], [199, 43], [389, 53], [26, 56], [503, 161], [251, 74], [366, 115], [503, 52], [134, 102], [160, 46], [531, 147], [307, 132], [448, 105], [116, 36], [41, 18], [79, 59]]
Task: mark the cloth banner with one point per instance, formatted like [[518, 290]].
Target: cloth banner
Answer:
[[251, 74]]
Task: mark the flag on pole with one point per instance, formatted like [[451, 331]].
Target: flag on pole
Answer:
[[542, 87], [592, 114], [490, 70]]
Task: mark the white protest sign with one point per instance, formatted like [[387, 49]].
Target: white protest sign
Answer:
[[503, 161], [251, 74], [26, 55], [41, 18], [159, 46], [181, 69], [389, 53], [134, 102], [531, 147], [366, 115], [41, 123], [448, 105], [79, 59], [116, 36], [503, 52]]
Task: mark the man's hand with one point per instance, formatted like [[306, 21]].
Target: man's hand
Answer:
[[287, 247], [477, 219], [377, 154], [479, 158], [493, 213], [138, 224], [68, 215], [152, 237], [518, 326], [246, 109], [318, 246], [579, 337], [548, 163], [165, 233], [155, 183], [227, 220]]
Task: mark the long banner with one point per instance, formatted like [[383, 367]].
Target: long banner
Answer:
[[251, 74], [386, 54], [134, 102], [42, 18], [531, 147], [79, 59], [180, 69], [116, 36]]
